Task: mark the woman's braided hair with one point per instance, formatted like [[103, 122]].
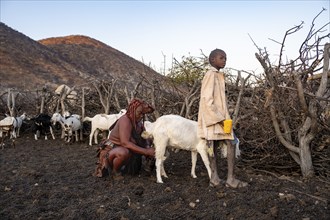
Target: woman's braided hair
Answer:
[[133, 105]]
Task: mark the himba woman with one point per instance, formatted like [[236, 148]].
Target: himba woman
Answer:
[[122, 152]]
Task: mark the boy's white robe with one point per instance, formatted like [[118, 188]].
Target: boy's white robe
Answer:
[[213, 107]]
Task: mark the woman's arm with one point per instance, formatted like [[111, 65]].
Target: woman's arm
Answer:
[[125, 130]]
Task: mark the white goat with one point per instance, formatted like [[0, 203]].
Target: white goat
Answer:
[[70, 124], [178, 132], [18, 123], [102, 122], [7, 129], [7, 125]]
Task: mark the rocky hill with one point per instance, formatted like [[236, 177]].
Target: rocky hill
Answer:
[[72, 60]]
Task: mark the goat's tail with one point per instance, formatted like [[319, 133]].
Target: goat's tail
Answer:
[[87, 119]]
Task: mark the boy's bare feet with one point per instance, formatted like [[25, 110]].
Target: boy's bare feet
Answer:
[[216, 181]]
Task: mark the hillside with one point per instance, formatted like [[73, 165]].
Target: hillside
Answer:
[[72, 60], [98, 59]]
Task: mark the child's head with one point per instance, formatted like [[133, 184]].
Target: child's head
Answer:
[[218, 58]]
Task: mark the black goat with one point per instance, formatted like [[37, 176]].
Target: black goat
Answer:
[[42, 125]]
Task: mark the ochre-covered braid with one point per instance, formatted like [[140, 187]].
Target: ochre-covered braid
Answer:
[[131, 109]]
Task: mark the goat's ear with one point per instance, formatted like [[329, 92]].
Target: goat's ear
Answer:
[[27, 116], [146, 135]]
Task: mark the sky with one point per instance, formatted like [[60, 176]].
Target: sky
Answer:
[[154, 32]]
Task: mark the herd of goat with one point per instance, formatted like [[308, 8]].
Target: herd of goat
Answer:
[[168, 131], [43, 124]]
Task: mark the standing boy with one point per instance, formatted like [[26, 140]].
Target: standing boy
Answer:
[[213, 111]]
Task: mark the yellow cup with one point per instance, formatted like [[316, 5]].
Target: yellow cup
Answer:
[[227, 126]]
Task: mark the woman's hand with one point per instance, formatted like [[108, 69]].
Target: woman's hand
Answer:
[[150, 152]]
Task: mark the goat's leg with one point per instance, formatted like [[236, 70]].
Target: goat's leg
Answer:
[[91, 136], [193, 163], [68, 139], [62, 134], [96, 135], [17, 133], [13, 134], [160, 149], [2, 140], [76, 133], [162, 169], [90, 139], [158, 168], [81, 134], [205, 158], [237, 151], [52, 133]]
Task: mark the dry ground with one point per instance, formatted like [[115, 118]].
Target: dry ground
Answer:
[[53, 180]]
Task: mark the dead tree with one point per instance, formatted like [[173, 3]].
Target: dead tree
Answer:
[[11, 102], [133, 93], [153, 95], [294, 102], [44, 95], [190, 99], [105, 91], [83, 112], [243, 81]]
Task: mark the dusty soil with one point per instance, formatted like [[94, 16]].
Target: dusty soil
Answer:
[[48, 179]]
